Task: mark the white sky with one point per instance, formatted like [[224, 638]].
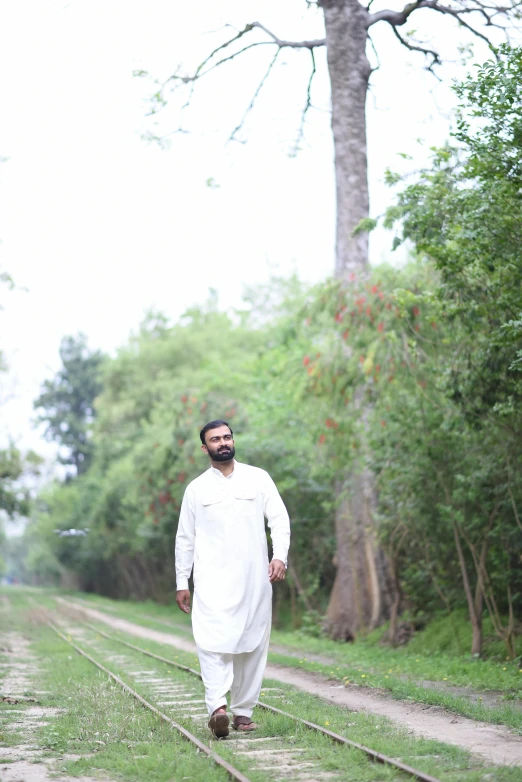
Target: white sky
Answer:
[[98, 226]]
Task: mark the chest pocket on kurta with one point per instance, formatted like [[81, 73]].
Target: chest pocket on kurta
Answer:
[[245, 503], [213, 508]]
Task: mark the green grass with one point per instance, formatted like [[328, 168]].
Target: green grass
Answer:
[[497, 685], [447, 762], [128, 741]]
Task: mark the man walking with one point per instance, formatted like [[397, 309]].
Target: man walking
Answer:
[[221, 533]]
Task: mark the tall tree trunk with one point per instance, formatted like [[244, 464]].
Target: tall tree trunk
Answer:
[[361, 596], [476, 643], [349, 70], [362, 593], [476, 619]]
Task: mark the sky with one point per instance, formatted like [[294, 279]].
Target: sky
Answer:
[[98, 226]]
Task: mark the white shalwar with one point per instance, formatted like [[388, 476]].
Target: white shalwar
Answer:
[[221, 533]]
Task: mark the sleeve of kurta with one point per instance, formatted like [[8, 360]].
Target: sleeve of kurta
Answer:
[[278, 520], [185, 538]]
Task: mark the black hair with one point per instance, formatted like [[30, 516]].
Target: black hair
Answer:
[[213, 425]]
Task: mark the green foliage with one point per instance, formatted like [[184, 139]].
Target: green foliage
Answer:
[[465, 214], [12, 499], [67, 401]]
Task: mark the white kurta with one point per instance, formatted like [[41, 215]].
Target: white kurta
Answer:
[[221, 532]]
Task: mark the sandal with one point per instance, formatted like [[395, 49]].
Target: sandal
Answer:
[[218, 723], [243, 723]]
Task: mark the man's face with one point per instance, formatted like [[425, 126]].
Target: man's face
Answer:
[[219, 444]]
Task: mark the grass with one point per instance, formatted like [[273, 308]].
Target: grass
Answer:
[[124, 739], [497, 685], [449, 763], [129, 743]]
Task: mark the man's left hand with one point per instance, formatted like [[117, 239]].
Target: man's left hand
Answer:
[[276, 571]]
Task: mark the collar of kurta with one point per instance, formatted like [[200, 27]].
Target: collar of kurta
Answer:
[[220, 475]]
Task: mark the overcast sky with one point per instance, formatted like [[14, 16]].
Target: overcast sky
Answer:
[[98, 226]]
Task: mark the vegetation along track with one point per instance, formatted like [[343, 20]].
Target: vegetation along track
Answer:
[[276, 756]]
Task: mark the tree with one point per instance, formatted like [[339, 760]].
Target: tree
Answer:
[[465, 214], [358, 603], [67, 401]]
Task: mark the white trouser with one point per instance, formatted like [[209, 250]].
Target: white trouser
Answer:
[[242, 674]]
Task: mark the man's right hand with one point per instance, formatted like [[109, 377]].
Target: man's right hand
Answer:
[[183, 600]]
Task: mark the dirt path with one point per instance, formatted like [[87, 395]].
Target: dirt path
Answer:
[[24, 771], [493, 743]]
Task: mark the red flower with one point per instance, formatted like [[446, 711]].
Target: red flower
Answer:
[[380, 327], [322, 439], [415, 311], [374, 288], [306, 361]]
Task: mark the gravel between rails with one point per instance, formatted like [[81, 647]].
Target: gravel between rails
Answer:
[[492, 743]]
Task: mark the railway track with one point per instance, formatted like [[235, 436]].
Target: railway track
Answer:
[[270, 751]]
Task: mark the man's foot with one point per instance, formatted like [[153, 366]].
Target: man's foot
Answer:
[[243, 723], [219, 722]]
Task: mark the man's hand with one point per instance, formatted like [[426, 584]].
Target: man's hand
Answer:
[[183, 600], [276, 571]]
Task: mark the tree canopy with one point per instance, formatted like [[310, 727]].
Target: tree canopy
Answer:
[[66, 403]]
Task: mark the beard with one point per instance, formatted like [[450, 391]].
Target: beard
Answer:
[[224, 454]]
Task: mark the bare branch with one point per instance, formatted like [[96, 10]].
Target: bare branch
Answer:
[[488, 12], [214, 60], [250, 106], [308, 105], [376, 53], [314, 44], [415, 48], [201, 70], [248, 28]]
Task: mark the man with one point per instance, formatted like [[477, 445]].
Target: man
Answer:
[[221, 533]]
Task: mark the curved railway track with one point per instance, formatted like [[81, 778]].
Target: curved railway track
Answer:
[[234, 773]]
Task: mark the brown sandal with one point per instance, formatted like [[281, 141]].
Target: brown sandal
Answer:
[[218, 723], [243, 723]]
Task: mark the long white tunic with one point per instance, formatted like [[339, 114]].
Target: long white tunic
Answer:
[[221, 533]]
